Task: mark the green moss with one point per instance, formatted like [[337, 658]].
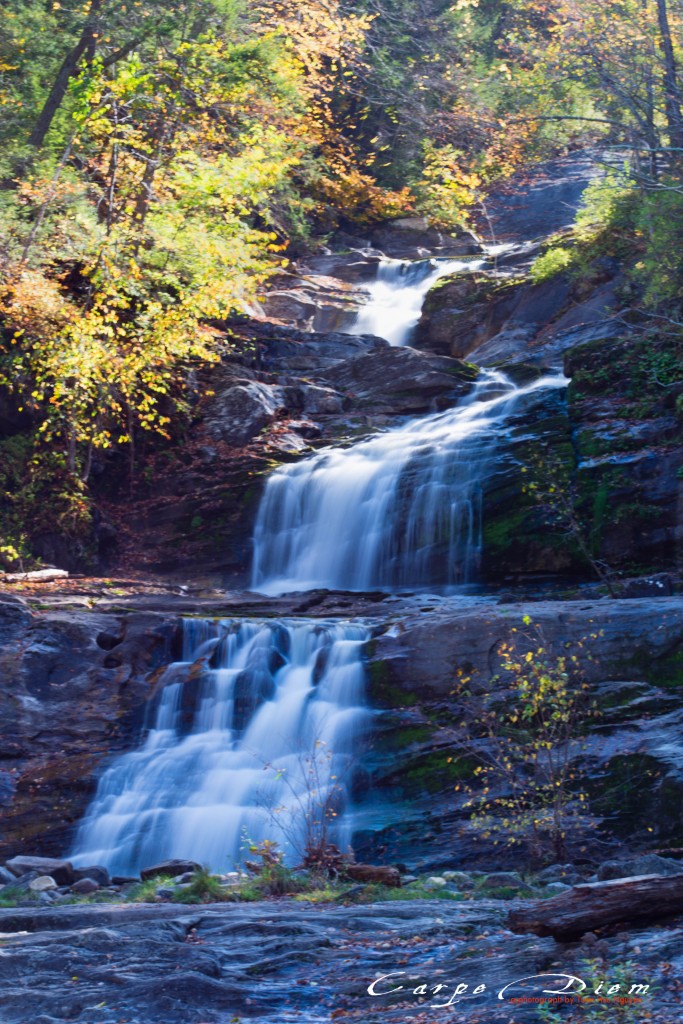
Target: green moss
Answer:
[[501, 531], [666, 672], [382, 689], [503, 892], [436, 771], [415, 891], [402, 737], [634, 795]]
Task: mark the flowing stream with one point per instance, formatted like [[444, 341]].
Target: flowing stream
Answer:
[[253, 737]]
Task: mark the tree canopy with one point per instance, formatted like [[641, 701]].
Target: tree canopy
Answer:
[[160, 161]]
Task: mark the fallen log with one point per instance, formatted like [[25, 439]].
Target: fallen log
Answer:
[[368, 873], [37, 576], [599, 904]]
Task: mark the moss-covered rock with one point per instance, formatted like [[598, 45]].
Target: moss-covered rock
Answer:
[[627, 423]]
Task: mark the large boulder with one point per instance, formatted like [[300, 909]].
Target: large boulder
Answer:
[[401, 380], [412, 238], [646, 864], [62, 871], [169, 867], [239, 413]]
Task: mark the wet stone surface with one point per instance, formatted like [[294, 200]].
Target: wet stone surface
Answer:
[[284, 961]]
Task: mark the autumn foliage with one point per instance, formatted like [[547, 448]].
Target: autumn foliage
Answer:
[[160, 161]]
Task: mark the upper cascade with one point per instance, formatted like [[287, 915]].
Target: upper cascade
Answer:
[[396, 296], [400, 510]]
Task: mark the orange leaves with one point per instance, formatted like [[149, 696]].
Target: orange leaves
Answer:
[[33, 304], [358, 195]]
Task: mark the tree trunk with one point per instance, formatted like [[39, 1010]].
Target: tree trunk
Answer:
[[671, 91], [599, 904], [86, 44]]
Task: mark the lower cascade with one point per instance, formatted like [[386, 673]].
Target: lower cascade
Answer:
[[400, 510], [253, 737]]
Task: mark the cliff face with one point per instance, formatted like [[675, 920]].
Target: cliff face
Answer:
[[74, 690]]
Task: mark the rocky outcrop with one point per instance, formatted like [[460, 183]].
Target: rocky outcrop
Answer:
[[540, 200], [631, 654], [279, 395], [401, 380], [498, 321], [74, 692], [626, 418]]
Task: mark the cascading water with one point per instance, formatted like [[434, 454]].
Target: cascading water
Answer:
[[255, 728], [396, 296], [253, 737], [400, 510]]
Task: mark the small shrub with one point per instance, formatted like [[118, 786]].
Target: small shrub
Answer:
[[553, 261], [204, 888], [526, 790], [146, 892]]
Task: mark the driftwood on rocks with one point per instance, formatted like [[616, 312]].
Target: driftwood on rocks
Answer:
[[599, 904]]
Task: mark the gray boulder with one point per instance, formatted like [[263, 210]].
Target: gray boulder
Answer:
[[61, 870], [95, 872], [169, 867], [647, 864], [42, 884], [240, 412], [84, 886]]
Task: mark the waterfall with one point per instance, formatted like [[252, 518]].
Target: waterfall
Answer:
[[396, 296], [400, 510], [253, 735]]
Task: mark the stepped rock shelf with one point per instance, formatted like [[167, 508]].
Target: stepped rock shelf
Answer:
[[379, 482]]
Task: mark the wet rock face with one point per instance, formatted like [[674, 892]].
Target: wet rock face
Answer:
[[613, 448], [66, 705], [629, 761], [288, 962], [521, 537], [492, 320], [68, 710], [540, 200], [627, 425], [288, 392]]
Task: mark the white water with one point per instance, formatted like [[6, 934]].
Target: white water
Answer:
[[256, 747], [400, 510], [396, 297]]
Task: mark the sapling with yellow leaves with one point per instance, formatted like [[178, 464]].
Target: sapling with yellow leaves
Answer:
[[526, 789]]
